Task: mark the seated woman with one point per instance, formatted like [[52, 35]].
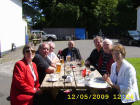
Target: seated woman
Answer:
[[25, 82], [105, 60], [123, 77]]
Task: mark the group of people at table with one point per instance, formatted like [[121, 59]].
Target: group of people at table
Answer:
[[107, 58]]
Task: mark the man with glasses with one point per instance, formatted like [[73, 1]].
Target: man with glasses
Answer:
[[44, 65]]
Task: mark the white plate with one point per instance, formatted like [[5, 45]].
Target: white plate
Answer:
[[52, 79], [97, 84]]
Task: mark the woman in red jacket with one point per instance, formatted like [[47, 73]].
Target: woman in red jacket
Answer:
[[25, 82]]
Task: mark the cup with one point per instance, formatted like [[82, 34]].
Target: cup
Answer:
[[68, 58], [58, 67], [62, 61], [69, 79], [52, 75]]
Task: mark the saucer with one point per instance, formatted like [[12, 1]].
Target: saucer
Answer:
[[52, 79]]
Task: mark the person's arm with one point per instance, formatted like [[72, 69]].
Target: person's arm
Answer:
[[78, 55], [50, 70], [108, 80]]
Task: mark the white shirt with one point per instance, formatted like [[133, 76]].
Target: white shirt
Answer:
[[52, 56], [126, 80], [32, 71]]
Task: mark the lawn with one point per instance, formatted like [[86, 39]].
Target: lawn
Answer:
[[136, 63]]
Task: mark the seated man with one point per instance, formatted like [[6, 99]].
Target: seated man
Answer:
[[106, 59], [71, 51], [95, 54], [44, 65], [52, 56]]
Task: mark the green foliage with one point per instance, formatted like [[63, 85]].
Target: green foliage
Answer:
[[112, 16]]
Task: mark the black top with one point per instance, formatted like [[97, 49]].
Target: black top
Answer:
[[42, 65], [94, 57], [74, 53], [105, 59]]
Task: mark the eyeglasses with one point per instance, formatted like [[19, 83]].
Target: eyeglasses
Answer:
[[27, 51]]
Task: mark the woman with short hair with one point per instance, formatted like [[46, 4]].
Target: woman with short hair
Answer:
[[25, 82], [123, 77]]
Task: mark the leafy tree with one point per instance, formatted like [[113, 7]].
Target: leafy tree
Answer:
[[112, 16]]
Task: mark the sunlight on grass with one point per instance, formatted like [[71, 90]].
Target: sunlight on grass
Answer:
[[136, 63]]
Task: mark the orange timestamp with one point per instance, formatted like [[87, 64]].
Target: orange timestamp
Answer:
[[97, 96]]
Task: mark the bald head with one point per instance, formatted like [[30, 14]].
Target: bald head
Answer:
[[71, 44]]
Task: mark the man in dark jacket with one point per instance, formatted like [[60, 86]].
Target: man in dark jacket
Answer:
[[95, 54], [72, 51]]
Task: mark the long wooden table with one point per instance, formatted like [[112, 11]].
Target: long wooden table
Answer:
[[92, 83]]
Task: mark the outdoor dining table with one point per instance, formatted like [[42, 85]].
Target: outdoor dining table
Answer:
[[78, 81]]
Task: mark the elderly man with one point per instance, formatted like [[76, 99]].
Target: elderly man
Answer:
[[71, 51], [52, 56], [44, 65], [95, 54], [106, 59]]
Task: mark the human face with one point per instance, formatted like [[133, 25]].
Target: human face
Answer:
[[52, 47], [29, 54], [107, 47], [98, 43], [117, 56], [44, 50], [71, 45]]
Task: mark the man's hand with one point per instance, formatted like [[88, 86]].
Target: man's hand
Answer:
[[50, 70], [87, 63]]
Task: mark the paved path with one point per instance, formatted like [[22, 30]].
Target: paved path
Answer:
[[7, 62]]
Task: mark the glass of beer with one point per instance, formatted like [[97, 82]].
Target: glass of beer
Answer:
[[58, 67], [62, 60], [68, 58]]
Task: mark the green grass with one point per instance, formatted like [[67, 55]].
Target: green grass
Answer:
[[136, 63]]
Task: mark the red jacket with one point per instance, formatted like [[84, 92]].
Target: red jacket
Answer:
[[22, 87]]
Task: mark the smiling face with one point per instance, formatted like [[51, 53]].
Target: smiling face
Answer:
[[118, 53], [107, 46], [117, 56], [28, 52], [98, 43]]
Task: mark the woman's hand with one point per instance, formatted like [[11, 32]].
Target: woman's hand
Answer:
[[107, 79]]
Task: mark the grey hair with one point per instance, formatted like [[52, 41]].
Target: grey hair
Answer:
[[51, 43], [108, 40], [41, 45]]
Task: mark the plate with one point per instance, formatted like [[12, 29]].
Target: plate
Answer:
[[52, 80], [97, 83]]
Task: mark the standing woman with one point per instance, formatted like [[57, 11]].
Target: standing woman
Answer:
[[25, 82], [123, 77]]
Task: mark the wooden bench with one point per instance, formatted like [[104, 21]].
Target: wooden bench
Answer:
[[36, 41]]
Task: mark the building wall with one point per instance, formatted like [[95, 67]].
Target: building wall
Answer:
[[138, 18], [61, 33], [12, 27]]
